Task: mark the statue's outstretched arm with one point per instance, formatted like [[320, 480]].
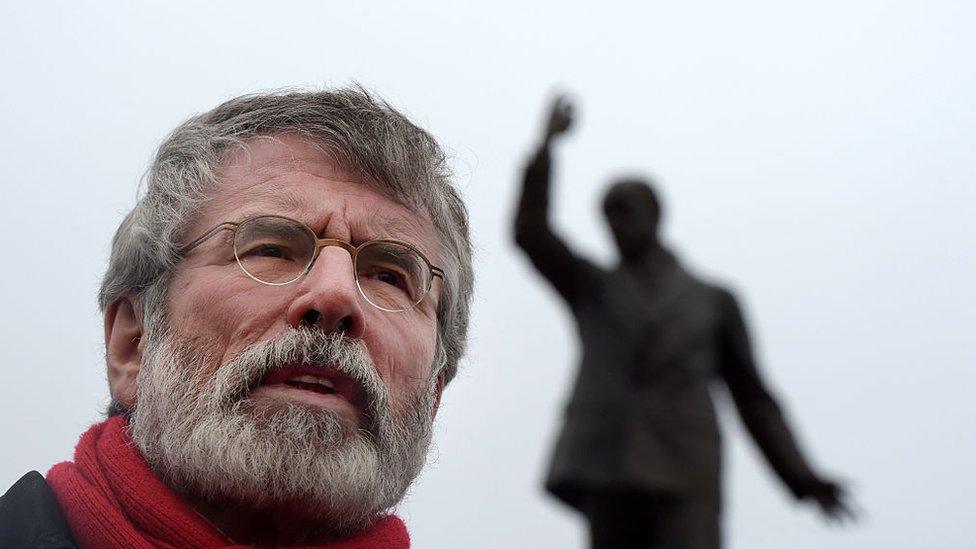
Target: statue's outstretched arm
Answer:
[[764, 419]]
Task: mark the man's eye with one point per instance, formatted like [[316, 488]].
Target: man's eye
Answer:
[[389, 277], [268, 250]]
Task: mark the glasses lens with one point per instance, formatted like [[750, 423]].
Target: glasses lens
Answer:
[[392, 276], [273, 250]]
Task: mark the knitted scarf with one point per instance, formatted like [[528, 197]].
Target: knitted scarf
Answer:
[[111, 498]]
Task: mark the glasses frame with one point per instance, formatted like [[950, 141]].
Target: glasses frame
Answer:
[[433, 272]]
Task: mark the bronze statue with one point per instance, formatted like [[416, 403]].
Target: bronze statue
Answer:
[[639, 453]]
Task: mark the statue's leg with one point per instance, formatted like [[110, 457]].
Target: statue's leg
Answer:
[[690, 523], [624, 520]]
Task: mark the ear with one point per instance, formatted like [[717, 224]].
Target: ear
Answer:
[[123, 349], [437, 396]]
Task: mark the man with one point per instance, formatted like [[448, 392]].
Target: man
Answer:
[[282, 309], [639, 452]]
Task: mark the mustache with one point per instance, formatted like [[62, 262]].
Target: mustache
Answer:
[[235, 380]]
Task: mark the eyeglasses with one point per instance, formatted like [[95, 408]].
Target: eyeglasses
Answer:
[[391, 275]]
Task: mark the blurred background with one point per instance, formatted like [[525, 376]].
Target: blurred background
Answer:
[[816, 156]]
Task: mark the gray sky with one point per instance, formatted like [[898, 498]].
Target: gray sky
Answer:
[[817, 156]]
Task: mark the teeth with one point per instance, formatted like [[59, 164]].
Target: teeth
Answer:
[[312, 379]]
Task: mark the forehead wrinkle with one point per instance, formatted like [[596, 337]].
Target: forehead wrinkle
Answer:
[[266, 190], [277, 202], [275, 151], [281, 157]]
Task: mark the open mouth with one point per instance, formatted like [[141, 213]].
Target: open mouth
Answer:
[[312, 383], [319, 385]]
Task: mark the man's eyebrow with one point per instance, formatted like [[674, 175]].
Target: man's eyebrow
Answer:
[[397, 227]]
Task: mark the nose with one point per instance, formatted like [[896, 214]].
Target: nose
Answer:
[[328, 297]]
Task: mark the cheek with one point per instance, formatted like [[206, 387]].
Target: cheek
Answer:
[[226, 313], [403, 356]]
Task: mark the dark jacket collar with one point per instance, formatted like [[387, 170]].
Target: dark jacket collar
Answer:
[[31, 517]]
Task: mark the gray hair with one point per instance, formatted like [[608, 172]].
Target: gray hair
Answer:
[[365, 134]]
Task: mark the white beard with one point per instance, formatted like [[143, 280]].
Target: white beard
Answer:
[[203, 435]]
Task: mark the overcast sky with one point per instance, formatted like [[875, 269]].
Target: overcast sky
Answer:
[[816, 156]]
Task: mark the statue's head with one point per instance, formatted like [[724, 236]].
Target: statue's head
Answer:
[[633, 213]]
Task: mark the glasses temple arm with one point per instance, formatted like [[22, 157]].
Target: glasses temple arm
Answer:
[[206, 236]]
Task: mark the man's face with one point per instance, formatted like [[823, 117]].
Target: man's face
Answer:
[[213, 300], [229, 363]]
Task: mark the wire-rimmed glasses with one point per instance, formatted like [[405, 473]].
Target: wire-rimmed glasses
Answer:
[[391, 275]]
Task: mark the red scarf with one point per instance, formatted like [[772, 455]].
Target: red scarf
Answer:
[[111, 498]]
